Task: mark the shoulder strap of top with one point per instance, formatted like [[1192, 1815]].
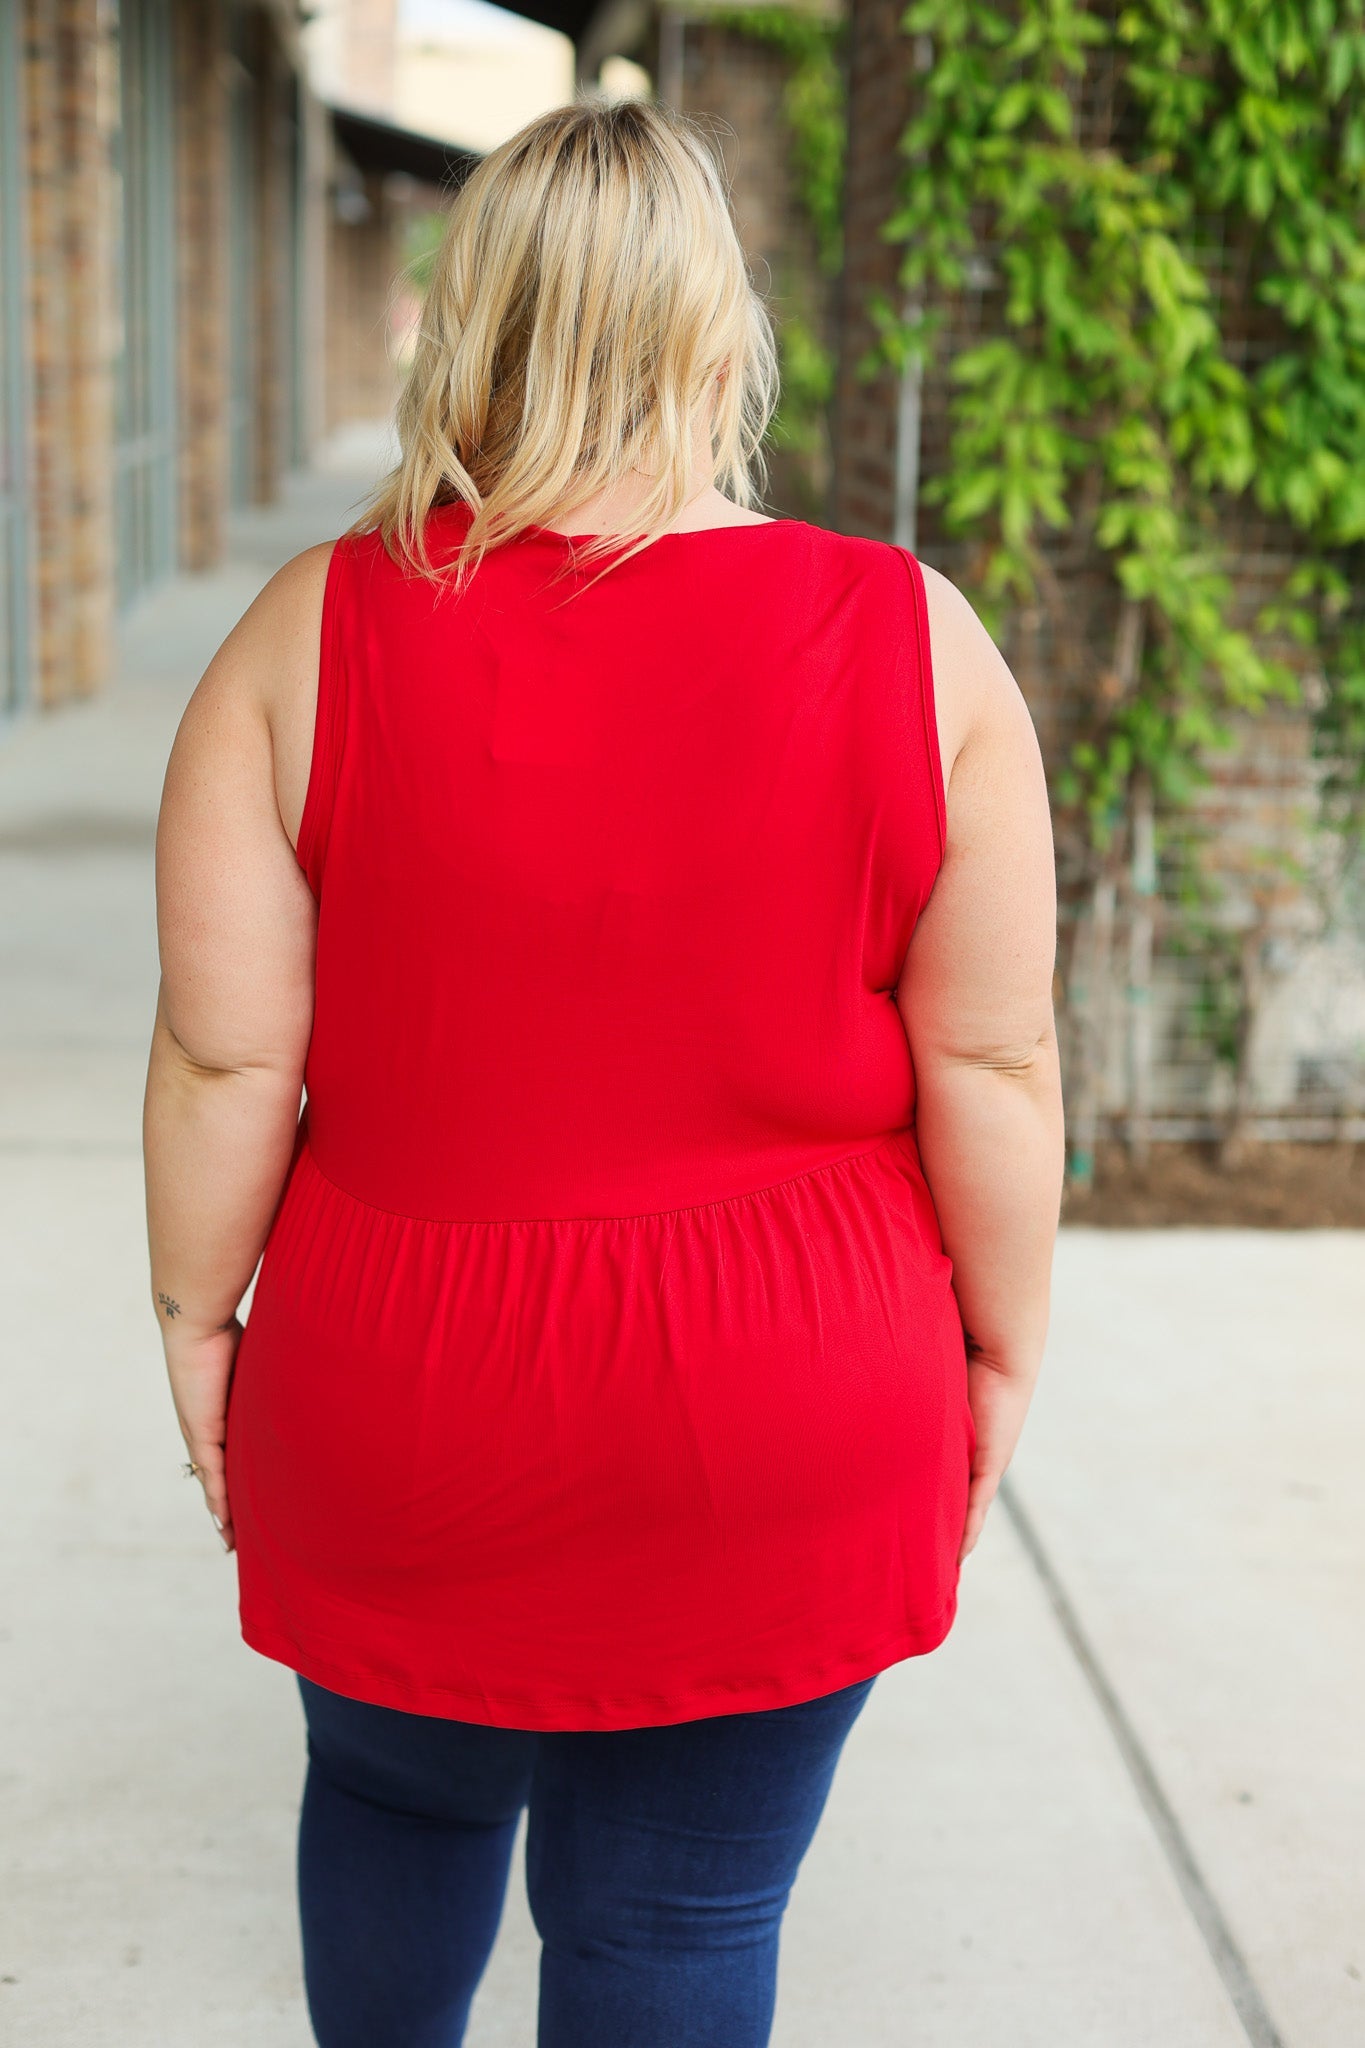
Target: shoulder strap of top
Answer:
[[925, 711], [329, 723]]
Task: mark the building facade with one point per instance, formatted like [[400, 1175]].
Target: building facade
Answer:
[[1257, 1019], [154, 184], [194, 283]]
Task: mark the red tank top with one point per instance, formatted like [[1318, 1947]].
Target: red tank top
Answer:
[[603, 1368]]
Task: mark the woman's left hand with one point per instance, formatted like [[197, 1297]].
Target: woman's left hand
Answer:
[[200, 1365]]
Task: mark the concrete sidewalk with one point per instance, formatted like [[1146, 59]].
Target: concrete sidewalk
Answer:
[[1120, 1807]]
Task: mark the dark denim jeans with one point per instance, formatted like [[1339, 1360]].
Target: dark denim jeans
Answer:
[[658, 1864]]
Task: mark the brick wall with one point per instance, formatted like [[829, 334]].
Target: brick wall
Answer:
[[879, 84], [1062, 646], [70, 100], [734, 85], [1253, 819]]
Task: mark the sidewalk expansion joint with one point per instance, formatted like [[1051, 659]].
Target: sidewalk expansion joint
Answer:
[[1208, 1915], [70, 1148]]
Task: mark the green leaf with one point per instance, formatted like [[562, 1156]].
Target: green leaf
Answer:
[[1013, 107]]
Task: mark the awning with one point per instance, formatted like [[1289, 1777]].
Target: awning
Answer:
[[570, 17], [607, 27], [375, 145]]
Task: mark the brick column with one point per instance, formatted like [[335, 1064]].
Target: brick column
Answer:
[[272, 247], [201, 285], [69, 96], [315, 122], [49, 482], [89, 90]]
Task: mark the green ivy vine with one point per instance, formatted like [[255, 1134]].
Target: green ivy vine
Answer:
[[1165, 203], [1218, 177]]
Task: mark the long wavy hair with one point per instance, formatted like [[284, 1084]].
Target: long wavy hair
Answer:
[[590, 314]]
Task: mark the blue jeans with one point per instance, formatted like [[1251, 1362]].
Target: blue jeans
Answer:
[[658, 1864]]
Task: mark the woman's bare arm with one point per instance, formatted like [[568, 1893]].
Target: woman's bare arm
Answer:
[[976, 1000], [236, 925]]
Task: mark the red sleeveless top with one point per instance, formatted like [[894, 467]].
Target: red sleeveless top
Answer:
[[603, 1368]]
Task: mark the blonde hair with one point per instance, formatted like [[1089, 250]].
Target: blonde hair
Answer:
[[589, 296]]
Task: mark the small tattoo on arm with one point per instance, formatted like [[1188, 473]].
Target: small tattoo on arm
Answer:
[[172, 1308]]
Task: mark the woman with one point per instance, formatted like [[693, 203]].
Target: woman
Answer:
[[669, 969]]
